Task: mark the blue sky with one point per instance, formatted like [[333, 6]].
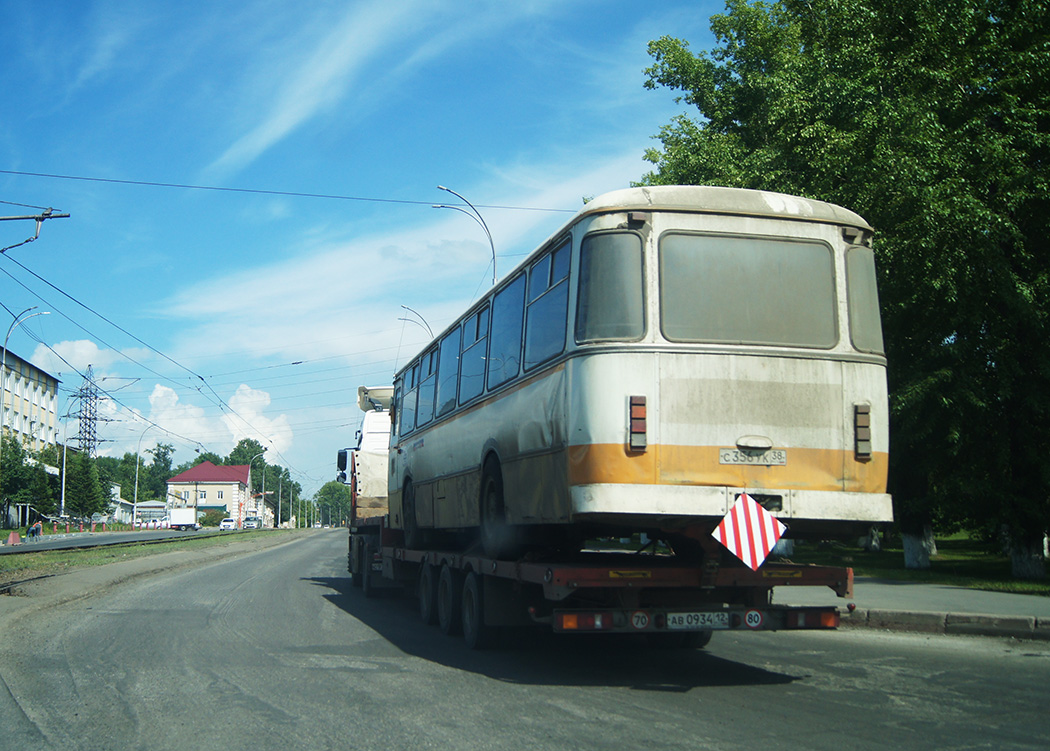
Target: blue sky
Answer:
[[211, 296]]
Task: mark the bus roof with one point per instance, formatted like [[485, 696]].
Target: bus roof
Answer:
[[706, 199], [715, 200]]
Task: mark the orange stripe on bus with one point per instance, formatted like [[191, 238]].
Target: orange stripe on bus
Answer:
[[806, 469]]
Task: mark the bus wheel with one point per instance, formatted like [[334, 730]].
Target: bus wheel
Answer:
[[413, 534], [449, 601], [498, 539], [476, 633], [428, 589]]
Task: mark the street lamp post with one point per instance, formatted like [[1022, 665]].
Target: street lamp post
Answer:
[[422, 322], [19, 319], [240, 520], [477, 217], [138, 461]]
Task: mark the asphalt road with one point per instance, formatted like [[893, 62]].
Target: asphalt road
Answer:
[[274, 650]]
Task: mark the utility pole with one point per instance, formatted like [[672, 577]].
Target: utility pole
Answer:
[[87, 415]]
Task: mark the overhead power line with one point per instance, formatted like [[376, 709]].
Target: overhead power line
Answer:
[[261, 191]]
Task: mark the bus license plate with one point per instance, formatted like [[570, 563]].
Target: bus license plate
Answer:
[[773, 457], [697, 621]]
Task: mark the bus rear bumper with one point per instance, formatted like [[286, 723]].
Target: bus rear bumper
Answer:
[[805, 512]]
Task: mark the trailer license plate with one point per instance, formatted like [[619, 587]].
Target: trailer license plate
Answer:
[[696, 621], [771, 458]]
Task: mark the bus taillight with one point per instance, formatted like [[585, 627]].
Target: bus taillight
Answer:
[[862, 431], [637, 424]]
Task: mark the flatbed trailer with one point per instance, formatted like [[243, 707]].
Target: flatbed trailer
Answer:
[[669, 599]]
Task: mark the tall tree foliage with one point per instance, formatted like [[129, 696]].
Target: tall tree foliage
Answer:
[[84, 492], [932, 120], [23, 481], [155, 483], [333, 501]]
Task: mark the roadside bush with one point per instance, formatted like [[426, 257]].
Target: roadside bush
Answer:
[[212, 517]]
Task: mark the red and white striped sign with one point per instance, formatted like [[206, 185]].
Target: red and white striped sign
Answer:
[[749, 531]]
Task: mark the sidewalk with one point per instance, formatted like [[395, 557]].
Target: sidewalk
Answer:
[[931, 608]]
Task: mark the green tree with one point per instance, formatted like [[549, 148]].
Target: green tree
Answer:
[[84, 492], [199, 458], [279, 489], [41, 491], [244, 451], [23, 479], [247, 452], [51, 456], [333, 501], [14, 479], [932, 120], [154, 483]]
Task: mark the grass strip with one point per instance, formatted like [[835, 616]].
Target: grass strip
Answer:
[[959, 562], [22, 566]]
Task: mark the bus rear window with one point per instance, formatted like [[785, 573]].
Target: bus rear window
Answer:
[[747, 290], [865, 325], [610, 301]]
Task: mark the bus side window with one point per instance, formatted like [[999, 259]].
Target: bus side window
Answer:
[[539, 278], [408, 408], [448, 372], [427, 385], [472, 364], [508, 314], [560, 264], [546, 322]]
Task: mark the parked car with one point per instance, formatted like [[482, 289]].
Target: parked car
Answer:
[[228, 524]]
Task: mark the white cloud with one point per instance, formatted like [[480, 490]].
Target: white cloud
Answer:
[[249, 420], [169, 412], [79, 353]]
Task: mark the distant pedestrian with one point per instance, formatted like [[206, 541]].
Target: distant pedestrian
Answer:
[[36, 531]]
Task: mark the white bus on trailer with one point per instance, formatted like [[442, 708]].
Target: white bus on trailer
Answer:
[[667, 349]]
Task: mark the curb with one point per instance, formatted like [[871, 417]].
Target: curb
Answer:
[[957, 624]]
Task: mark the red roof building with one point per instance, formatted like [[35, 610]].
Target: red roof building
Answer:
[[210, 486]]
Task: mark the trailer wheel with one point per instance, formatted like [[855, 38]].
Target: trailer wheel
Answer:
[[683, 640], [353, 563], [428, 592], [368, 588], [476, 633], [697, 639], [450, 601]]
